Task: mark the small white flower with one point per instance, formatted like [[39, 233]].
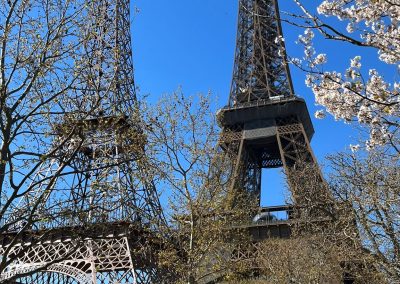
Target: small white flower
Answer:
[[355, 62], [309, 80], [320, 59], [279, 39], [354, 148], [296, 61], [320, 114], [350, 28], [309, 33], [372, 72]]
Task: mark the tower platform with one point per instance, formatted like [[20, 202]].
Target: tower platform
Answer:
[[266, 114]]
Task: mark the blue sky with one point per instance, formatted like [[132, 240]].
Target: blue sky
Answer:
[[190, 44]]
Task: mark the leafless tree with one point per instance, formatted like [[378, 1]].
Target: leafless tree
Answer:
[[38, 41], [193, 173], [43, 77], [364, 182], [370, 182]]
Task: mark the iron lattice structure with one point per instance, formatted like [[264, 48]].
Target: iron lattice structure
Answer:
[[260, 71], [265, 125], [96, 204]]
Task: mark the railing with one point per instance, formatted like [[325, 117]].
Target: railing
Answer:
[[273, 214], [286, 214], [267, 216], [62, 217], [263, 102]]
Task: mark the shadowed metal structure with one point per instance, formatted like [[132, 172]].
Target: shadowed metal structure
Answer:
[[96, 204], [265, 125]]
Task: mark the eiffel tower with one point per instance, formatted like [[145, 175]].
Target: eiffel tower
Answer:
[[96, 207], [265, 125]]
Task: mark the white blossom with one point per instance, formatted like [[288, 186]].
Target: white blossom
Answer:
[[279, 39], [368, 99], [307, 37], [309, 52], [355, 62], [309, 80], [364, 114], [296, 61], [354, 148], [320, 114], [378, 21], [350, 28], [352, 74], [320, 59]]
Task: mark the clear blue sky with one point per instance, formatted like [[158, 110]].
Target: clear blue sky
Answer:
[[190, 43]]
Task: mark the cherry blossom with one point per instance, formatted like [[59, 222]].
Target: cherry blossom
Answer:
[[320, 114], [360, 94], [354, 148]]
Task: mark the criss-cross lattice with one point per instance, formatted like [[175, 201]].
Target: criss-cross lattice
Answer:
[[91, 211], [260, 71]]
